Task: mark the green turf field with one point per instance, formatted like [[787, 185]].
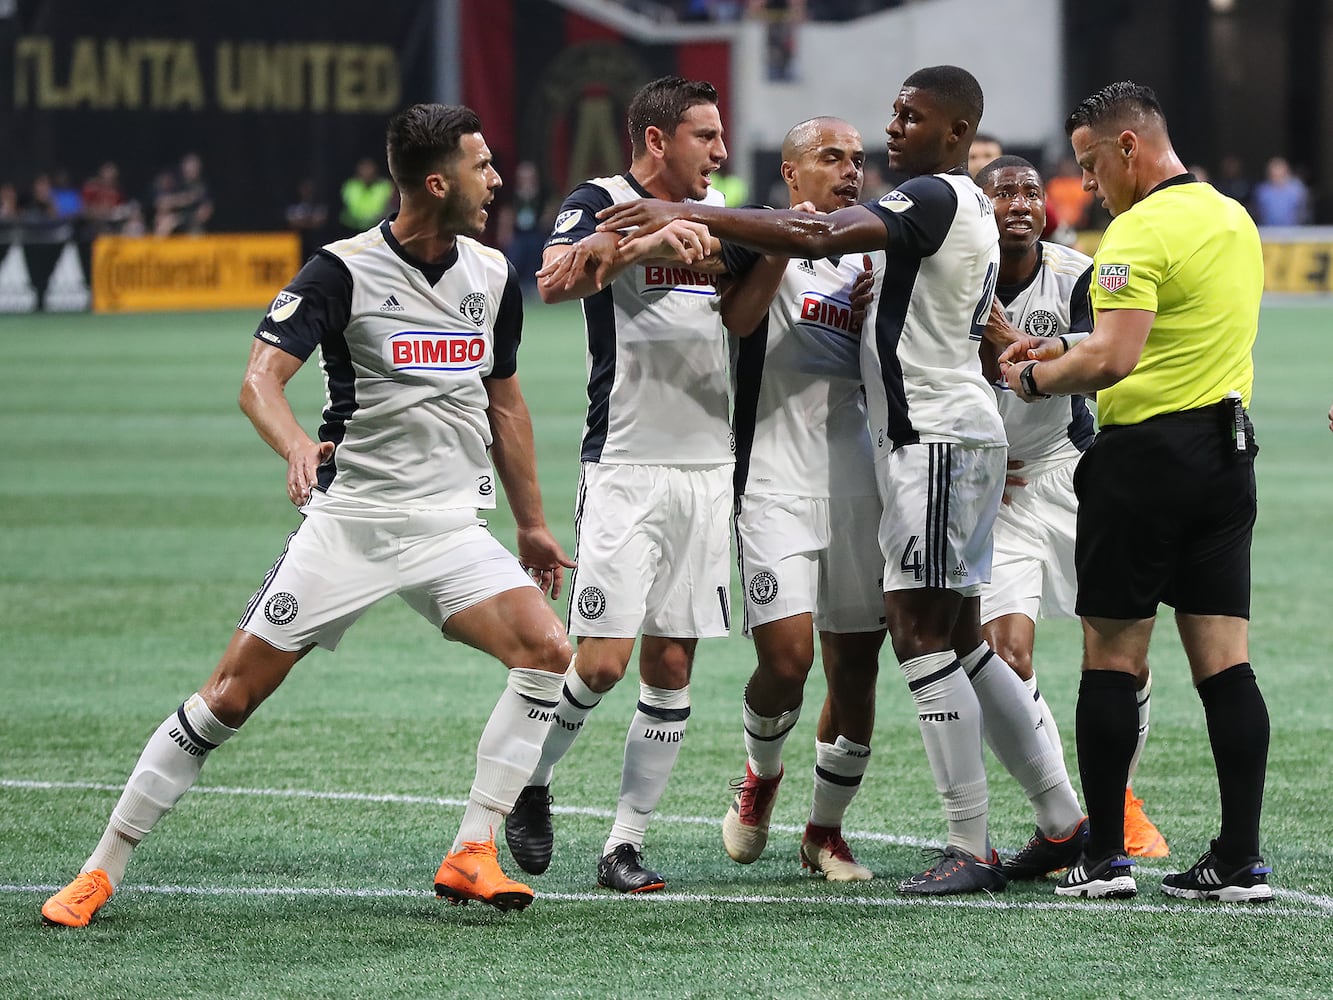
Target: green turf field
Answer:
[[139, 511]]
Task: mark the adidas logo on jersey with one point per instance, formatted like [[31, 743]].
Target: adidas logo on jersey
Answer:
[[391, 305], [808, 266]]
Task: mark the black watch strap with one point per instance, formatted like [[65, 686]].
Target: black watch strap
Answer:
[[1028, 381]]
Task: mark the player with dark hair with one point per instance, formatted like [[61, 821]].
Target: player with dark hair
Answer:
[[807, 511], [1166, 491], [1042, 291], [418, 326], [939, 453], [985, 148], [655, 487]]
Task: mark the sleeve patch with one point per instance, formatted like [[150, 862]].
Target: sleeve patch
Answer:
[[1112, 277], [896, 201], [566, 221], [284, 306]]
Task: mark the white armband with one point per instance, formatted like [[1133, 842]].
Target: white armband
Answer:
[[1070, 339]]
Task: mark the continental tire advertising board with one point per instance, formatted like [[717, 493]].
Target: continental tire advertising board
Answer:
[[266, 93]]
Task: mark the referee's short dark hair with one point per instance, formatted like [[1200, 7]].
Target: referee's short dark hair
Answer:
[[999, 163], [662, 104], [955, 87], [424, 137], [1115, 104]]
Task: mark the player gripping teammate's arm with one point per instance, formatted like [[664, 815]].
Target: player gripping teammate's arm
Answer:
[[577, 270], [1105, 357]]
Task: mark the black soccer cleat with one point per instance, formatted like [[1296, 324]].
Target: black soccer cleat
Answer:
[[623, 871], [954, 873], [1211, 878], [528, 829], [1042, 855], [1110, 878]]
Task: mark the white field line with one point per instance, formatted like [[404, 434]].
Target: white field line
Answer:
[[1320, 904]]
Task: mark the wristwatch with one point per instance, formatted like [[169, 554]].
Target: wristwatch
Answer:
[[1028, 382]]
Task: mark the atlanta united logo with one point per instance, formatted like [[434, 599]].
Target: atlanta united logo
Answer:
[[591, 603], [473, 307], [280, 608], [1040, 323], [763, 587]]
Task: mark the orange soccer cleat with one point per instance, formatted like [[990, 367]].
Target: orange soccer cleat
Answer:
[[474, 873], [1142, 838], [75, 905]]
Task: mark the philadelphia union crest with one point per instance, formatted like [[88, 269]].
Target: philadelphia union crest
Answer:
[[1040, 323], [763, 587], [591, 603], [280, 608]]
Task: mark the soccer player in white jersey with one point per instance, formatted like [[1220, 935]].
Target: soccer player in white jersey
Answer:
[[807, 510], [418, 327], [939, 454], [1042, 291], [655, 489]]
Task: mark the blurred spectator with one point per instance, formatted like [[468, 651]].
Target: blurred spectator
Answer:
[[524, 224], [733, 188], [105, 208], [984, 148], [181, 203], [1064, 192], [366, 197], [875, 185], [782, 17], [9, 204], [39, 216], [1231, 180], [308, 216], [1200, 172], [66, 197], [1282, 199]]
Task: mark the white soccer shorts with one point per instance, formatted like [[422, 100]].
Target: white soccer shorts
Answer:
[[1033, 570], [940, 503], [342, 559], [806, 555], [652, 552]]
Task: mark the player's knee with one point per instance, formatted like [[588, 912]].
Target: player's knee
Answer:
[[1018, 657], [550, 652], [230, 700], [601, 675], [788, 669]]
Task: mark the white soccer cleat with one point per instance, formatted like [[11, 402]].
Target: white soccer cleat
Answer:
[[823, 850]]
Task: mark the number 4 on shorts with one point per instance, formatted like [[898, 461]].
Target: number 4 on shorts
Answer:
[[911, 559]]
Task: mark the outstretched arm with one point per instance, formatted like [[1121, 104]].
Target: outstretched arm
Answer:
[[515, 458], [576, 270], [790, 233], [1100, 361], [264, 400]]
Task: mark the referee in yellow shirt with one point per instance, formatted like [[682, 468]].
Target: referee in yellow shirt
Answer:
[[1166, 492]]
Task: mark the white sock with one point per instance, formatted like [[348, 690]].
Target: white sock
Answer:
[[950, 721], [651, 748], [1048, 725], [839, 767], [168, 766], [1013, 732], [1145, 698], [576, 701], [764, 737], [508, 750]]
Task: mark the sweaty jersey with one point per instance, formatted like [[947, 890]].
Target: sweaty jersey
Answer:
[[1052, 300], [800, 413], [657, 351], [405, 346], [922, 372]]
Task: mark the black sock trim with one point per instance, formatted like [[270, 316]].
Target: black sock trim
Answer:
[[768, 739], [665, 714], [847, 781], [539, 702], [575, 702], [943, 672], [189, 730], [990, 655]]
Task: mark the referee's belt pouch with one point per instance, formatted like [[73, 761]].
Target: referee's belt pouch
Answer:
[[1238, 431]]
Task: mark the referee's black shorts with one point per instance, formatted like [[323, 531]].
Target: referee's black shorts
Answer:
[[1166, 513]]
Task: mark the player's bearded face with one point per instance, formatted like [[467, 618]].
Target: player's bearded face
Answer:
[[473, 181], [695, 150]]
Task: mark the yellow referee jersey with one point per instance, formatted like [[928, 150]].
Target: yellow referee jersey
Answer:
[[1192, 256]]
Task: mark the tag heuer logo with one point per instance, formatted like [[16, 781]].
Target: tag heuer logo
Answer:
[[1113, 277], [473, 307]]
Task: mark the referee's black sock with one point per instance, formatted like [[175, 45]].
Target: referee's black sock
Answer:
[[1106, 730], [1238, 730]]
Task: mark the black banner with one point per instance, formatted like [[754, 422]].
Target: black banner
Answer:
[[44, 277], [267, 93]]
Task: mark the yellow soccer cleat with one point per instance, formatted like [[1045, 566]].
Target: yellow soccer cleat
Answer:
[[1142, 838], [75, 905], [474, 873]]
